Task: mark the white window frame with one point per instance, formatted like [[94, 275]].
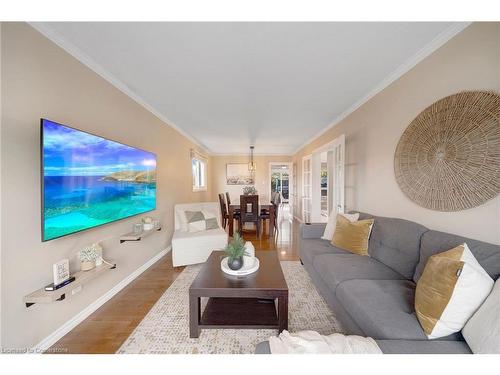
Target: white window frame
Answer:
[[202, 161]]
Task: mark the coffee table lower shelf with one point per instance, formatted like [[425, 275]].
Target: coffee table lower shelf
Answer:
[[238, 313]]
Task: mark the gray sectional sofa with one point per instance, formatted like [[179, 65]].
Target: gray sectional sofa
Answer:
[[374, 296]]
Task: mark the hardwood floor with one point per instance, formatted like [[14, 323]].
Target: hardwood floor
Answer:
[[106, 329]]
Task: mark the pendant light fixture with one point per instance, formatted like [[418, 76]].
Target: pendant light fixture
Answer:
[[252, 166]]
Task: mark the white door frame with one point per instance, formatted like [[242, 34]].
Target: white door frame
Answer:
[[338, 198], [290, 178]]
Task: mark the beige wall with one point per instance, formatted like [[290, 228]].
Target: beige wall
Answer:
[[262, 181], [470, 61], [40, 80]]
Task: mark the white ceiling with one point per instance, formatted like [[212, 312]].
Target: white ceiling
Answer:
[[230, 85]]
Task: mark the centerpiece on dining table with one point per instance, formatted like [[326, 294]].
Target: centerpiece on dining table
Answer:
[[249, 190]]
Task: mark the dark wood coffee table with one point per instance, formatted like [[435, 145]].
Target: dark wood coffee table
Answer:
[[239, 301]]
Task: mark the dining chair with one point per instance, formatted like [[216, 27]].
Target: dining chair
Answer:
[[249, 215], [223, 211], [236, 210], [265, 214]]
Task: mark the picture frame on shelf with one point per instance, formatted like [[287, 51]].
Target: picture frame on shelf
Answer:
[[60, 271]]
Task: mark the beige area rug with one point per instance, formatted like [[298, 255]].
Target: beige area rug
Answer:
[[165, 329]]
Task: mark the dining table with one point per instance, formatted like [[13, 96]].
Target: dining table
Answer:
[[268, 206]]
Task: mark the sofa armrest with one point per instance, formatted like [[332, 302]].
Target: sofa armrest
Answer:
[[314, 230]]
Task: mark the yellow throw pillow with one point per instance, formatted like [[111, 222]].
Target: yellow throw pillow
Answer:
[[451, 288], [352, 236]]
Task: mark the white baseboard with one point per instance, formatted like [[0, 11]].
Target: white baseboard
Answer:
[[82, 315]]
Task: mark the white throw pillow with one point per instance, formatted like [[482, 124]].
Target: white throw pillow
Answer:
[[482, 331], [332, 222], [197, 226]]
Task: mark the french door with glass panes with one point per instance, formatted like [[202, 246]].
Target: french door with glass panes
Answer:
[[306, 188], [339, 174]]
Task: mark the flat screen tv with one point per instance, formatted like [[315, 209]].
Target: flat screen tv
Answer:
[[88, 181]]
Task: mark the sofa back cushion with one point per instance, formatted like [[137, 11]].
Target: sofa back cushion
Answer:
[[396, 243], [433, 242]]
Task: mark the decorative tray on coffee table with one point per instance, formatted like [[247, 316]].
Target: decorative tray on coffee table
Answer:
[[247, 268]]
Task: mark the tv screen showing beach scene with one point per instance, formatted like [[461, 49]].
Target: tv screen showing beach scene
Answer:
[[88, 181]]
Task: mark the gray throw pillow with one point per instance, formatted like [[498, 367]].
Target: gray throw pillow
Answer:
[[212, 223], [192, 216]]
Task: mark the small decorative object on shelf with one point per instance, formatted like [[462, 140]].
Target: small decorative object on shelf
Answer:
[[156, 224], [52, 287], [147, 223], [249, 190], [89, 255], [137, 228], [60, 271]]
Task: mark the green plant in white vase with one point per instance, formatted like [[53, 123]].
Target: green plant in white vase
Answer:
[[235, 250]]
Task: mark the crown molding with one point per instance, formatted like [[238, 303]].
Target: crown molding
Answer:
[[428, 49], [82, 57], [247, 154]]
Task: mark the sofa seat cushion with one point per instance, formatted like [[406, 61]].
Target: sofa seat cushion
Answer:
[[336, 268], [196, 247], [384, 309], [215, 237], [312, 247], [423, 347]]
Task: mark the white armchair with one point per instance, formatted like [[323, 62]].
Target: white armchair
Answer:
[[196, 247]]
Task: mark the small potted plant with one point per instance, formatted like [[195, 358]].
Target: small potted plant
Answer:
[[235, 251], [88, 257]]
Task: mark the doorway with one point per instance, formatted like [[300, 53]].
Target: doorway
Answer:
[[306, 188], [281, 181]]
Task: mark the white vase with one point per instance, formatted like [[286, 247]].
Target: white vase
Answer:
[[250, 249], [248, 262], [98, 250]]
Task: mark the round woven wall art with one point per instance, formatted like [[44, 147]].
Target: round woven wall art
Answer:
[[448, 159]]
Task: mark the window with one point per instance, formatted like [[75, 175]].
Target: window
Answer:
[[199, 166]]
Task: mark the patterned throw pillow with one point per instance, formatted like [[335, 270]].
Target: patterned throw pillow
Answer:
[[198, 221], [451, 288]]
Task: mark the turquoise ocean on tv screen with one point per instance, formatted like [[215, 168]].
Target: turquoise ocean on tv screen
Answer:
[[90, 181]]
